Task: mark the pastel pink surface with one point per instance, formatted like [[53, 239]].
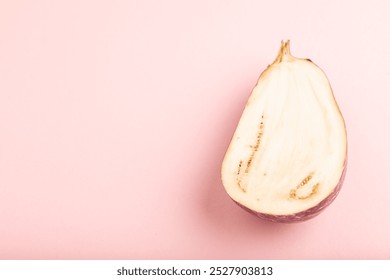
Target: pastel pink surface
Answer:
[[115, 117]]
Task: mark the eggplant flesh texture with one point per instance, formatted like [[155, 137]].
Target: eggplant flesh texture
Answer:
[[287, 158]]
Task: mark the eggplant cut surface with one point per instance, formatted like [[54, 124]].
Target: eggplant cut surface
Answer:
[[287, 158]]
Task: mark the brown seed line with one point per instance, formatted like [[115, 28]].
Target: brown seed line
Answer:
[[240, 186], [314, 188], [249, 162], [313, 191], [255, 148], [239, 167]]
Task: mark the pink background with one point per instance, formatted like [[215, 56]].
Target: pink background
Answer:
[[115, 117]]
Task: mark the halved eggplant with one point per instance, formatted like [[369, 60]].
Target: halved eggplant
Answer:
[[287, 159]]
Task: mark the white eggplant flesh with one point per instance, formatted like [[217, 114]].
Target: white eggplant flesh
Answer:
[[287, 158]]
